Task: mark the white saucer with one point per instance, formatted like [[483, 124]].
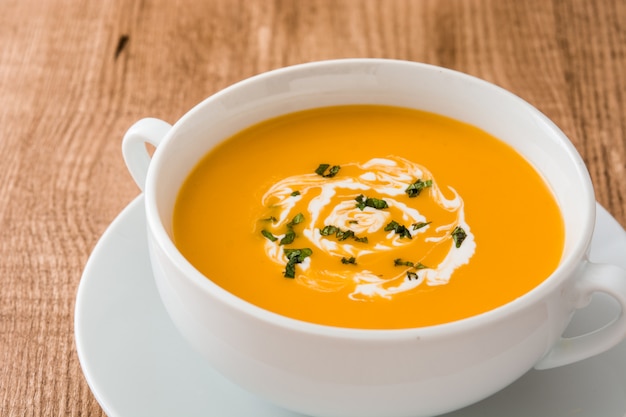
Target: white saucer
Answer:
[[136, 363]]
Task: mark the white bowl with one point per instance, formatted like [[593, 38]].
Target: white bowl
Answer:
[[328, 371]]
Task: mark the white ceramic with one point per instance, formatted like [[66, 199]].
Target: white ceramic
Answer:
[[137, 364], [327, 371]]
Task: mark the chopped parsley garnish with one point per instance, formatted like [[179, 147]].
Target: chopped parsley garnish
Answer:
[[351, 260], [329, 230], [332, 171], [270, 219], [291, 234], [298, 218], [400, 262], [289, 237], [295, 256], [417, 226], [399, 229], [298, 255], [321, 169], [362, 202], [458, 235], [344, 234], [411, 275], [416, 188], [341, 234], [295, 193], [269, 235]]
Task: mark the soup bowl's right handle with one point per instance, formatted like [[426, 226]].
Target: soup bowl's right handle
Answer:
[[609, 279], [136, 155]]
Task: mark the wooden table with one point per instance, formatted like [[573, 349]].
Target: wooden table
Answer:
[[74, 75]]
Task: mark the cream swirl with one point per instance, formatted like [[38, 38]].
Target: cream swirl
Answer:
[[349, 219]]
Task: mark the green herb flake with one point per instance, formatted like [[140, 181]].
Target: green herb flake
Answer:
[[417, 226], [376, 203], [351, 260], [295, 193], [328, 230], [332, 171], [270, 219], [290, 270], [411, 275], [295, 256], [400, 262], [417, 187], [321, 169], [269, 235], [298, 255], [399, 229], [458, 235], [289, 237], [344, 234], [298, 218], [362, 202]]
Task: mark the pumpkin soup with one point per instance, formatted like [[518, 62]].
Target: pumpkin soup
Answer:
[[369, 216]]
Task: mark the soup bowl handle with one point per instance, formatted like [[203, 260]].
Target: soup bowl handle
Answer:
[[609, 279], [136, 155]]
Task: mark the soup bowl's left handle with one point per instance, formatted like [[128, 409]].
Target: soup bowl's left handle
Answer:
[[136, 155]]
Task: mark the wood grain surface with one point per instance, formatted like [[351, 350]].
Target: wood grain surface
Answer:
[[74, 75]]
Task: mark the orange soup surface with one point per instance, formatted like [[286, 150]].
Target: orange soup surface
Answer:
[[369, 217]]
